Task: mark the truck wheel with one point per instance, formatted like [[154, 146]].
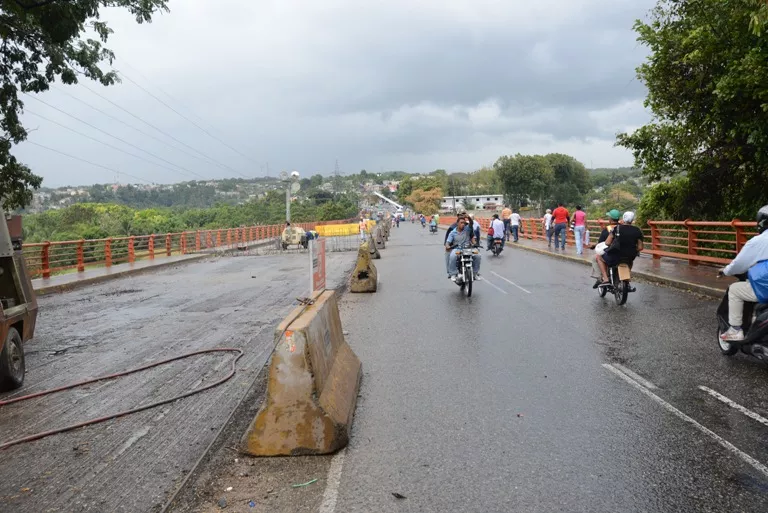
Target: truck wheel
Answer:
[[12, 367]]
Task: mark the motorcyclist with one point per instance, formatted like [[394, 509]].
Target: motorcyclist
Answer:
[[459, 214], [475, 227], [498, 231], [613, 221], [433, 224], [461, 236], [753, 258], [423, 220], [630, 245]]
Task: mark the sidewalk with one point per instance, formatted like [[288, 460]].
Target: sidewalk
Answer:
[[667, 271]]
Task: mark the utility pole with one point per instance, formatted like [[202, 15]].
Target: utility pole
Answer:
[[336, 179]]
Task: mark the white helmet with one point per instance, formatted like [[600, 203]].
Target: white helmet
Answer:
[[629, 217]]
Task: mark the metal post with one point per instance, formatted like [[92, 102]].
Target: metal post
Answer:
[[288, 202]]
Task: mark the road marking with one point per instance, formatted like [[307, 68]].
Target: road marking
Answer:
[[735, 405], [637, 377], [682, 416], [494, 286], [332, 483], [510, 282]]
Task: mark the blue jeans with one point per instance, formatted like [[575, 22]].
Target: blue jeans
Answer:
[[560, 231], [453, 270], [578, 234], [506, 229], [549, 231], [515, 229]]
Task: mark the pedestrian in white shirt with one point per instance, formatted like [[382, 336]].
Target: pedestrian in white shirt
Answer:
[[514, 224], [547, 223]]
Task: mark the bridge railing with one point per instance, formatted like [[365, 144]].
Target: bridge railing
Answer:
[[707, 242], [46, 258]]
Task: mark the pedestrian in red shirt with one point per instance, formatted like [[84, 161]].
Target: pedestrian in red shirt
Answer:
[[561, 217]]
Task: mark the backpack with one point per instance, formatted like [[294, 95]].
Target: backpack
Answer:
[[490, 230]]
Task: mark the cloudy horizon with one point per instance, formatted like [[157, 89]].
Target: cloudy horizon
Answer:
[[378, 85]]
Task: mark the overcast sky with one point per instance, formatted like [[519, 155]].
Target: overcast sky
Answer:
[[393, 85]]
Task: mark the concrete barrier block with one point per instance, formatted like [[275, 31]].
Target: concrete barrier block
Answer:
[[314, 379], [373, 249], [364, 277], [380, 244]]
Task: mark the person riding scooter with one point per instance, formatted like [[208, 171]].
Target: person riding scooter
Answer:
[[496, 231], [752, 259], [630, 245]]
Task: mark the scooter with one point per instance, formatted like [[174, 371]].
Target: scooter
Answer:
[[619, 277], [432, 228], [497, 247], [755, 326]]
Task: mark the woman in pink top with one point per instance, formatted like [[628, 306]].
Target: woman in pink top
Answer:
[[579, 227]]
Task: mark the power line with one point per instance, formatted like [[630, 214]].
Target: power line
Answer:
[[113, 136], [102, 142], [88, 162], [142, 132], [224, 166], [186, 118]]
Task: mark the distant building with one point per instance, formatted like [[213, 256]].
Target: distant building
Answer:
[[482, 202]]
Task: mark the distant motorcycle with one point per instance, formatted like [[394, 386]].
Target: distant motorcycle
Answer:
[[465, 277], [432, 228], [755, 326]]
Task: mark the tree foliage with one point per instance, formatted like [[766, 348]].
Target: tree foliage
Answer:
[[42, 42], [96, 220], [524, 177], [426, 202], [707, 80]]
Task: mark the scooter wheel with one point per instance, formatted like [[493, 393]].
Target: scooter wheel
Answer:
[[726, 348]]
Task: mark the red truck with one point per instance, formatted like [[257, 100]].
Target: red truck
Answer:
[[18, 305]]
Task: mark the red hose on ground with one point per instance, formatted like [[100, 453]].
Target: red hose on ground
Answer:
[[43, 434]]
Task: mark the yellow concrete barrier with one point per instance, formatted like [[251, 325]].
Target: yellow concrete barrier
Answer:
[[314, 379], [337, 230]]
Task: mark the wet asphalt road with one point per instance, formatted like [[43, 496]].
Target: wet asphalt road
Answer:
[[132, 464], [503, 402]]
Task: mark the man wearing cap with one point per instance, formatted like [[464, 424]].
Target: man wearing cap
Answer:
[[630, 244]]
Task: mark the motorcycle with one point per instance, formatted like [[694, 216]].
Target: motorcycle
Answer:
[[497, 247], [432, 228], [465, 277], [755, 326], [619, 286]]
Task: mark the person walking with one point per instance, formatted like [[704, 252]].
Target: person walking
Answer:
[[579, 228], [561, 218], [514, 225], [546, 222], [505, 216]]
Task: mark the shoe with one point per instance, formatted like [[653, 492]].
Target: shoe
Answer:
[[478, 277], [453, 278], [597, 284], [733, 335], [631, 289], [449, 276]]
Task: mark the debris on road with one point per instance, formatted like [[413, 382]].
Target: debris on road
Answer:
[[304, 484], [222, 503], [251, 504], [229, 489], [398, 495]]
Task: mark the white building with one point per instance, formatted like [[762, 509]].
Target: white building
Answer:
[[483, 202]]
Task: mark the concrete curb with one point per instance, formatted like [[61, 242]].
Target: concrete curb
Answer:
[[85, 281], [670, 282]]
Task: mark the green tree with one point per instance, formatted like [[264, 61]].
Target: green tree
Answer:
[[41, 42], [707, 80], [524, 178]]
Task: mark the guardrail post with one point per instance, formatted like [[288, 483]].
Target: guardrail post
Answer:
[[197, 241], [168, 244], [108, 252], [655, 240], [45, 259], [229, 237], [183, 243], [208, 239], [131, 250], [80, 256], [218, 238], [692, 249], [741, 236], [151, 246]]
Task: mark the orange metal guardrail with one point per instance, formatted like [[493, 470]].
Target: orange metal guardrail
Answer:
[[46, 258], [708, 242]]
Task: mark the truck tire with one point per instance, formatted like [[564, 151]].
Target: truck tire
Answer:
[[12, 367]]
